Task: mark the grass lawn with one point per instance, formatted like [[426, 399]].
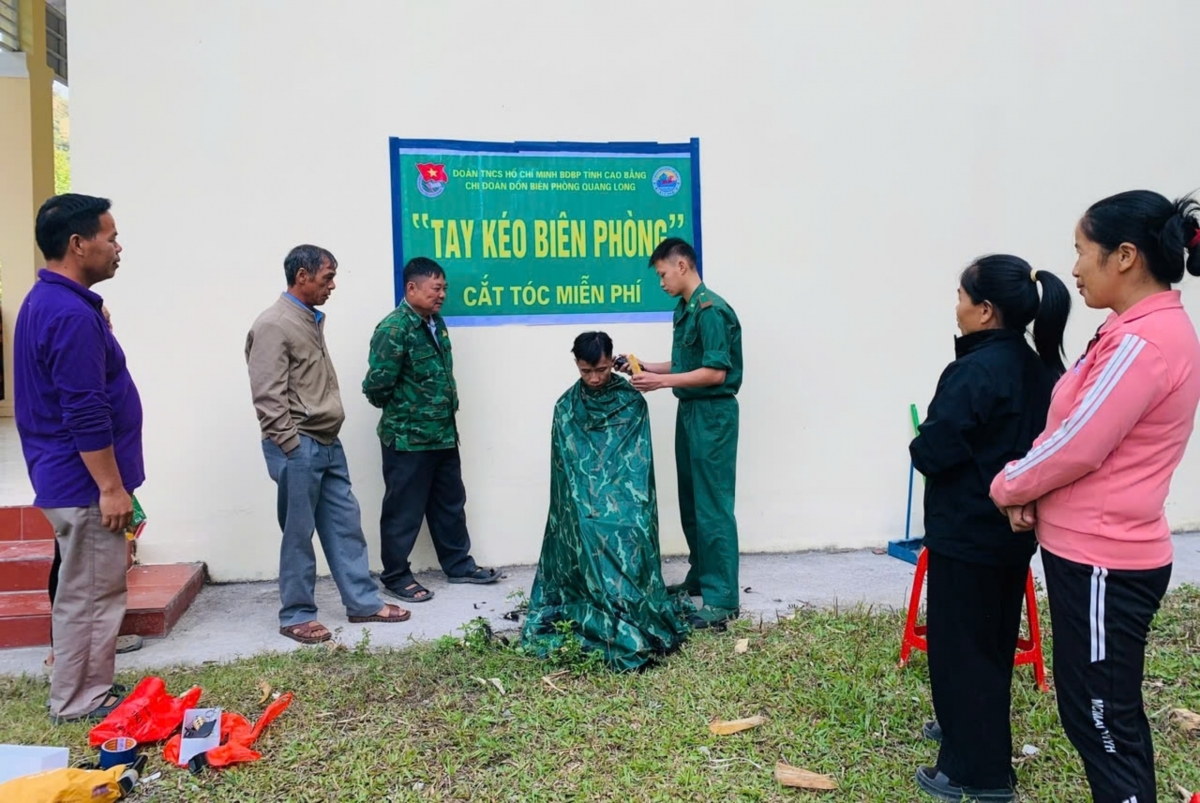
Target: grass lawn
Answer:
[[424, 724]]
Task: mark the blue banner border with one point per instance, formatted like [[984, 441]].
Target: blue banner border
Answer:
[[396, 145]]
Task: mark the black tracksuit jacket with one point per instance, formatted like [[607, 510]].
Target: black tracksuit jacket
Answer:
[[990, 404]]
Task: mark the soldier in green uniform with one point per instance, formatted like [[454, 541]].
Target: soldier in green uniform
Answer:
[[411, 379], [705, 373]]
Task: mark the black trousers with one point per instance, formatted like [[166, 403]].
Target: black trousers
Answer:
[[53, 585], [1101, 618], [974, 619], [423, 486]]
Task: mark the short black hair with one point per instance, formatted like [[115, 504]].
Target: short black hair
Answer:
[[308, 258], [420, 268], [673, 247], [591, 347], [64, 216]]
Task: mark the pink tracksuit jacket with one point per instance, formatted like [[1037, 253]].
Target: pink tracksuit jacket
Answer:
[[1118, 425]]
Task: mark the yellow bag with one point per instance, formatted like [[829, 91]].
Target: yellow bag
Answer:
[[68, 785]]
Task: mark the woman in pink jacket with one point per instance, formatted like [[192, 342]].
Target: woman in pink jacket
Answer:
[[1095, 482]]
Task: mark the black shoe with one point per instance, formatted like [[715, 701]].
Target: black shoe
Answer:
[[932, 731], [712, 617], [935, 783]]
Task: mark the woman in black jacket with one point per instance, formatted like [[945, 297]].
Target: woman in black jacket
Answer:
[[990, 404]]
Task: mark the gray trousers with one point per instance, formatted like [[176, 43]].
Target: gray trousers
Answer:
[[315, 493], [88, 609]]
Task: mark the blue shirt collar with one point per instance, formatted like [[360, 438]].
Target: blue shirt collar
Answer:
[[320, 316]]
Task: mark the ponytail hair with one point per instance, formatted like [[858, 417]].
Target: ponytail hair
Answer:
[[1164, 232], [1010, 285], [1050, 323], [1193, 248]]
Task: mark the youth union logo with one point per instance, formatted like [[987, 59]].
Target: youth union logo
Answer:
[[431, 181], [666, 181]]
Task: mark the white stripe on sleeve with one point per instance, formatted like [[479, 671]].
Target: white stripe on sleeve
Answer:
[[1131, 346]]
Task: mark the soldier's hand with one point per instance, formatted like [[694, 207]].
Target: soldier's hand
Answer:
[[646, 382]]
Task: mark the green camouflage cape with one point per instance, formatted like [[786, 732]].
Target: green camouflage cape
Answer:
[[600, 565]]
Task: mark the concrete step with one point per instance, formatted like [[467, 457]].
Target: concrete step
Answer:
[[24, 619], [24, 524], [158, 597], [25, 565]]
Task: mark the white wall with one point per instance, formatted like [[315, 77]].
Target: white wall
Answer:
[[854, 155]]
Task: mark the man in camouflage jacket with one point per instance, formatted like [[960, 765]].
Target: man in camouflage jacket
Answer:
[[411, 379]]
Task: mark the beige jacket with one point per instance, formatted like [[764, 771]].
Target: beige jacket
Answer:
[[292, 379]]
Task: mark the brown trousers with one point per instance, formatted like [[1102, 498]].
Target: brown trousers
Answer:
[[88, 609]]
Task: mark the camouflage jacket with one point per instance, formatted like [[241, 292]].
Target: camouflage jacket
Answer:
[[410, 377]]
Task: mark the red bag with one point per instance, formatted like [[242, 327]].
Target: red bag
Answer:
[[237, 734], [148, 714]]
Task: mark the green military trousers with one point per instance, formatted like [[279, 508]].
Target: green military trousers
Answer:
[[706, 439]]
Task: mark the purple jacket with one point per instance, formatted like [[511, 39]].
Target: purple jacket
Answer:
[[72, 393]]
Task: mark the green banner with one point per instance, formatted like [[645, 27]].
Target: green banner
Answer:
[[544, 232]]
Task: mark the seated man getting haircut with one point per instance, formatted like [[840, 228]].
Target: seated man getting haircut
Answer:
[[600, 566]]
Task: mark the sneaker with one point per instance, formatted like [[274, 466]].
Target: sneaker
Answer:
[[711, 616], [936, 784], [932, 731]]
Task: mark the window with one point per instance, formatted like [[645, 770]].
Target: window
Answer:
[[56, 41], [10, 31]]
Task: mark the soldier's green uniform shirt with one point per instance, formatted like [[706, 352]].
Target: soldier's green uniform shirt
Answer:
[[707, 334], [410, 377]]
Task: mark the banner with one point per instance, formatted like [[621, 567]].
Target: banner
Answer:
[[544, 232]]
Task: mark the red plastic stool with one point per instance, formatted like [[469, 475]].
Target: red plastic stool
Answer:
[[1029, 650]]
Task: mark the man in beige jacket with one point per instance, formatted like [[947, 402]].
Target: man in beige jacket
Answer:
[[300, 412]]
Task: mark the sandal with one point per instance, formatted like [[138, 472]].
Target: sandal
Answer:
[[384, 615], [117, 690], [478, 577], [110, 702], [410, 593], [130, 643], [307, 632]]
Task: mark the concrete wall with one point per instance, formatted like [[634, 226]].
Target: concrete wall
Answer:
[[855, 157]]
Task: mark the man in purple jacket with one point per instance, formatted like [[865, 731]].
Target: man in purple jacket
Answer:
[[80, 421]]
